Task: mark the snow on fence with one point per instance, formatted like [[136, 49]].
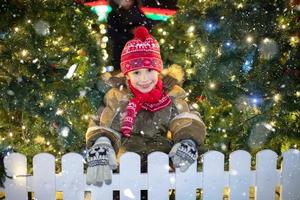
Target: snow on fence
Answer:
[[159, 180]]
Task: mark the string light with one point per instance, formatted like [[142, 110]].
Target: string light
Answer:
[[103, 45], [240, 5], [190, 71], [103, 31], [196, 106], [102, 26], [297, 94], [233, 77], [191, 29], [277, 97], [272, 123], [249, 39], [24, 52], [59, 111], [86, 117], [162, 41], [294, 40], [212, 85], [105, 39], [105, 57], [50, 97]]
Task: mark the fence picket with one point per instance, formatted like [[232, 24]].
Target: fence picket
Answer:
[[213, 175], [131, 181], [158, 176], [239, 175], [266, 174], [72, 177], [186, 183], [291, 175], [104, 192], [44, 183], [16, 164]]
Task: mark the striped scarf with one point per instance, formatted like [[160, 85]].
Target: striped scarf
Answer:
[[152, 101]]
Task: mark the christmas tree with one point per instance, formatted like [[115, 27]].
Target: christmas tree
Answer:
[[241, 60], [52, 53], [242, 63]]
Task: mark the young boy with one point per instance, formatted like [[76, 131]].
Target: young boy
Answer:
[[144, 115]]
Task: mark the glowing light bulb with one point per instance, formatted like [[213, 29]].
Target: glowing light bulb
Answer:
[[50, 97], [277, 97], [24, 52], [212, 85], [59, 112], [191, 29], [240, 5], [105, 39], [249, 39], [196, 106], [283, 26]]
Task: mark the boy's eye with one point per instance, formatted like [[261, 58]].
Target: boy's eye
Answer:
[[150, 70], [136, 72]]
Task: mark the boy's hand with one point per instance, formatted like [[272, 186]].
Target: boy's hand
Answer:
[[184, 154], [101, 160]]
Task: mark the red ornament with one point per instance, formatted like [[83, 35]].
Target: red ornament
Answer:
[[56, 125], [201, 98], [293, 73], [294, 2], [53, 67]]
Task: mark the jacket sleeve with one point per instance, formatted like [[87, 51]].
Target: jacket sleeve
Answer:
[[100, 124], [186, 124]]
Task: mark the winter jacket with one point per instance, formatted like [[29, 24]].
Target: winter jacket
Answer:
[[152, 131], [120, 26]]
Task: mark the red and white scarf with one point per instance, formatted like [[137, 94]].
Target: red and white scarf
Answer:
[[152, 101]]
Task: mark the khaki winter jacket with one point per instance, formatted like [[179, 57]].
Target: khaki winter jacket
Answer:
[[152, 131]]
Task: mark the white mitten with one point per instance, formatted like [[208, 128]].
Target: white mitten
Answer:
[[184, 154], [101, 159]]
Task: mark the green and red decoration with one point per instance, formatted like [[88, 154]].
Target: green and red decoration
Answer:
[[101, 8]]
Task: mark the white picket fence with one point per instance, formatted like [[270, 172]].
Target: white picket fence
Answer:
[[159, 180]]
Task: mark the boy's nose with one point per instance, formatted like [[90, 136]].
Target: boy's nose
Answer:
[[143, 77]]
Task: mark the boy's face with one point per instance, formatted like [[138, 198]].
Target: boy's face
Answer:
[[125, 4], [143, 79]]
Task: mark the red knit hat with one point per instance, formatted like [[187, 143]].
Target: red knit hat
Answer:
[[141, 52]]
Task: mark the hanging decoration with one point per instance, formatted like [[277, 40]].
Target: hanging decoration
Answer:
[[248, 62], [42, 28], [101, 8]]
